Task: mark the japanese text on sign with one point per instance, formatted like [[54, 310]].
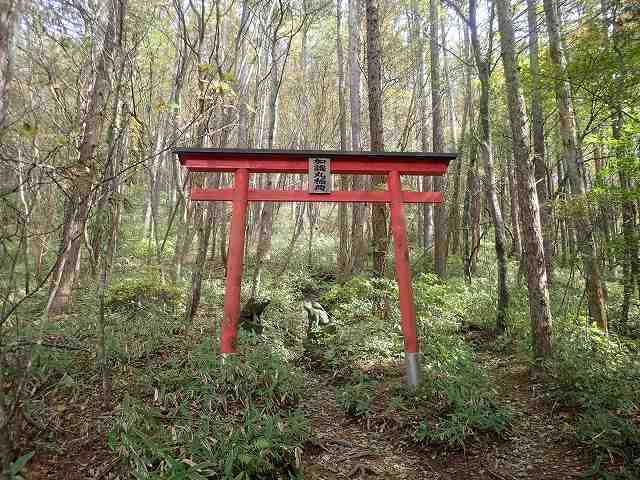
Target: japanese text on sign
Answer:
[[319, 175]]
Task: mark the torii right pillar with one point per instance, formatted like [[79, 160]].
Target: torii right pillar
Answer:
[[403, 276]]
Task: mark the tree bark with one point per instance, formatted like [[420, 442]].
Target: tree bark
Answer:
[[9, 12], [426, 184], [205, 226], [266, 217], [456, 144], [516, 242], [472, 209], [8, 18], [631, 259], [358, 210]]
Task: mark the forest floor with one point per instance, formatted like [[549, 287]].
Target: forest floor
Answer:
[[538, 444]]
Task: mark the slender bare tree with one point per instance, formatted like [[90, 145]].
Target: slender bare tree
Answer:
[[537, 128], [80, 199], [440, 235], [483, 65], [374, 77], [539, 305], [574, 165]]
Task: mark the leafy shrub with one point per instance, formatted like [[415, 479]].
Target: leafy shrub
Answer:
[[260, 377], [207, 420], [371, 295], [468, 404], [600, 376], [194, 446], [134, 292], [356, 398], [142, 318], [444, 307], [366, 323], [147, 249]]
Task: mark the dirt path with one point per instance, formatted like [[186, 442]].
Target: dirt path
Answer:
[[343, 447], [538, 445]]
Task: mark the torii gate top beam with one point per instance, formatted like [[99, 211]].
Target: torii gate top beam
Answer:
[[296, 161]]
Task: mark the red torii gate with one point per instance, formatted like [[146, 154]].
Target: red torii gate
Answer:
[[318, 164]]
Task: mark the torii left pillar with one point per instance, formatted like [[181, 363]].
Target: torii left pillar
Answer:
[[235, 257]]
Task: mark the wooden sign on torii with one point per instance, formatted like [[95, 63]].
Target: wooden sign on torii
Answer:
[[319, 165]]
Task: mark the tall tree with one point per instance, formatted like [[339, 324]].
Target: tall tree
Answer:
[[421, 110], [265, 231], [440, 236], [358, 211], [539, 306], [514, 210], [573, 163], [456, 143], [483, 64], [8, 17], [374, 77], [537, 128], [343, 226], [80, 199], [630, 257]]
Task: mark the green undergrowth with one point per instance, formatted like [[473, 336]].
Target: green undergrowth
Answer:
[[356, 398], [147, 291], [460, 390], [199, 419], [598, 377], [365, 323], [456, 401], [594, 377], [366, 316]]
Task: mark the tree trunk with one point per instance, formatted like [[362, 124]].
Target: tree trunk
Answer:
[[80, 200], [440, 246], [298, 223], [374, 72], [9, 12], [421, 101], [486, 151], [343, 211], [631, 260], [206, 226], [537, 127], [358, 210], [113, 140], [8, 18], [313, 213], [472, 210], [539, 305], [463, 145], [453, 230], [266, 217], [516, 242], [573, 162]]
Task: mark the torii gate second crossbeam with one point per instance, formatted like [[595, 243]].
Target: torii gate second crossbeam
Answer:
[[319, 165]]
